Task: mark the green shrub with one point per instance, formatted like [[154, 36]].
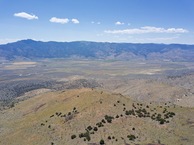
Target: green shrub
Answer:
[[101, 141], [89, 128], [117, 116], [103, 121], [95, 129], [162, 121], [85, 135], [109, 118], [51, 116], [73, 136], [92, 132], [131, 137], [99, 124], [81, 135]]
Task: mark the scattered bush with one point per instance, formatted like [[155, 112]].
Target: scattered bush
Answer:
[[73, 136], [117, 116], [51, 116], [81, 135], [86, 135], [139, 111], [109, 118], [89, 128], [99, 124], [103, 121], [95, 129], [131, 137], [162, 121], [92, 132], [101, 141]]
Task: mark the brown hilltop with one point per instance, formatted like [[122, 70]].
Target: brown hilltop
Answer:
[[61, 117]]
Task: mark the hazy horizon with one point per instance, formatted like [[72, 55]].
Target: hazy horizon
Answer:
[[95, 42]]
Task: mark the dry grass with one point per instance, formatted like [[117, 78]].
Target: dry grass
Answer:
[[22, 124]]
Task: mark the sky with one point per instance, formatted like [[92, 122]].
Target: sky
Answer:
[[131, 21]]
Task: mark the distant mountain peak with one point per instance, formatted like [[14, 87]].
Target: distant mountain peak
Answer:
[[30, 48]]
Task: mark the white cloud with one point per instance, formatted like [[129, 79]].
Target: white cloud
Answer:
[[98, 23], [147, 29], [119, 23], [59, 20], [75, 21], [161, 38], [26, 15]]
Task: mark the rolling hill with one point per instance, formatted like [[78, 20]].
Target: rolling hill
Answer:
[[91, 117]]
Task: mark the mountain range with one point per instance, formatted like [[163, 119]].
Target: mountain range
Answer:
[[30, 49]]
